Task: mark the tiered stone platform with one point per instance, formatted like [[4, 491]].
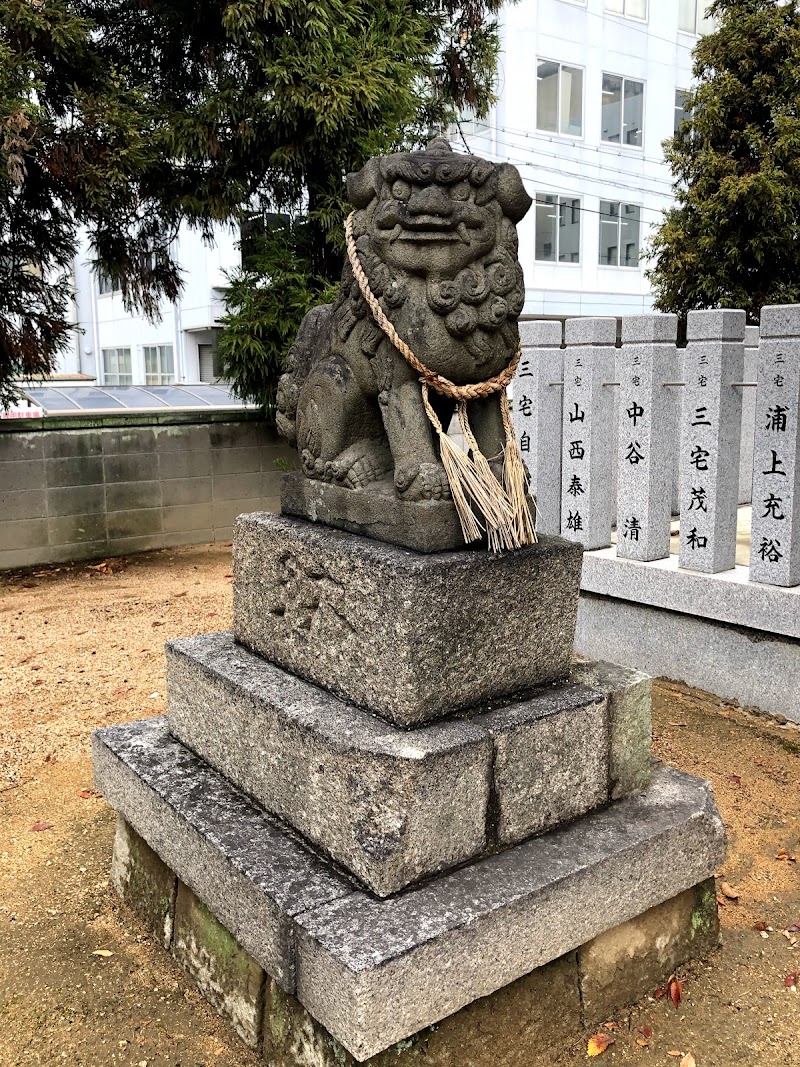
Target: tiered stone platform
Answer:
[[390, 799]]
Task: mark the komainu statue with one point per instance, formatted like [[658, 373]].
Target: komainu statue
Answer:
[[424, 327]]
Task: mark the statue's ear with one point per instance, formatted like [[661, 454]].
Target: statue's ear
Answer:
[[511, 193], [363, 185]]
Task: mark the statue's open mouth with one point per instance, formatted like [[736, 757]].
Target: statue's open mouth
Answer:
[[430, 228]]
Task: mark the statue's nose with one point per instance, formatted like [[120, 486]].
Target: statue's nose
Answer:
[[430, 200]]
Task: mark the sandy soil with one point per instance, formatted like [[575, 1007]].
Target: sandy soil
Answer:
[[82, 647]]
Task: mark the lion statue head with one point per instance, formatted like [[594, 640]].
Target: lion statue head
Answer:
[[436, 234]]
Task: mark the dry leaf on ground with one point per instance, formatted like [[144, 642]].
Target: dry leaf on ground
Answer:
[[688, 1060], [598, 1043], [104, 952], [38, 826], [728, 891]]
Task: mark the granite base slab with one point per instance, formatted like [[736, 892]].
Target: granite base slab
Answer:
[[410, 637], [392, 806], [376, 512], [372, 971], [524, 1024]]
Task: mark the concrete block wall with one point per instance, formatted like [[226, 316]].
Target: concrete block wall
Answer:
[[83, 493]]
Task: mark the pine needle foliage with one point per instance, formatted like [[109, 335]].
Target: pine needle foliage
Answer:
[[732, 239], [129, 118]]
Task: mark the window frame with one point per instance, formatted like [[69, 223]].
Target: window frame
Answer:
[[557, 132], [684, 111], [103, 280], [624, 13], [107, 374], [563, 200], [700, 15], [620, 204], [161, 377], [623, 78]]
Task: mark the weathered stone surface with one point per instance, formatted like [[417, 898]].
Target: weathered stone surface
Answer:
[[251, 874], [629, 695], [389, 805], [452, 289], [697, 651], [375, 972], [711, 430], [226, 975], [638, 956], [521, 1025], [421, 525], [144, 882], [550, 760], [407, 636]]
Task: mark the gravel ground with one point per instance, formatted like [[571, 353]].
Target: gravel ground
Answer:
[[81, 647]]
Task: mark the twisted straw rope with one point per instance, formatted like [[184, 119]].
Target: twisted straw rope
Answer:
[[437, 382]]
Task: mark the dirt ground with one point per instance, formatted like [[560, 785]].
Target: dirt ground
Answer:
[[81, 647]]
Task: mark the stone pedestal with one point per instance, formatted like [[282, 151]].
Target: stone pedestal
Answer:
[[390, 809]]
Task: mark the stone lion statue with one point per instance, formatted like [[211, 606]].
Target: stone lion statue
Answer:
[[435, 235]]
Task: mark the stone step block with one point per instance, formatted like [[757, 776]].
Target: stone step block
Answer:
[[410, 637], [374, 972], [390, 805], [252, 874]]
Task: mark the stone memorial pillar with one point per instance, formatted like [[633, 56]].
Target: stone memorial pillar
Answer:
[[710, 439], [587, 498], [751, 336], [645, 443], [775, 530], [537, 417], [388, 810]]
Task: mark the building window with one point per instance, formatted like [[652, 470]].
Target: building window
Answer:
[[682, 112], [693, 17], [117, 368], [104, 284], [632, 9], [620, 226], [623, 111], [559, 98], [558, 228], [159, 365]]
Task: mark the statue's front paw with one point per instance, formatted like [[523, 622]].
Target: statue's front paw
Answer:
[[423, 481]]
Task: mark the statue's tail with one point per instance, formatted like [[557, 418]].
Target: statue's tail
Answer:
[[311, 345]]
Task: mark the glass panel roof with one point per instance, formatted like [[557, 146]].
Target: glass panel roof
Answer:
[[80, 399]]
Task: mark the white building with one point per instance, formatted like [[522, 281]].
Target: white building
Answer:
[[589, 90], [118, 348]]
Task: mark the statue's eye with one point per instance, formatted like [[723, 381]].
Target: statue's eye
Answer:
[[460, 191], [401, 190]]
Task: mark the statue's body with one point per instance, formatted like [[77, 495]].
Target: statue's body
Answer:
[[435, 233]]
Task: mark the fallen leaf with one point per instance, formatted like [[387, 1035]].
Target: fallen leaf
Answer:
[[180, 594], [736, 779], [790, 980], [789, 857], [38, 826], [598, 1043], [88, 794], [688, 1060], [646, 1032], [642, 1043], [123, 689], [674, 1052], [760, 925], [156, 623], [674, 989], [104, 952], [677, 724], [721, 901], [728, 891], [611, 1026], [793, 929]]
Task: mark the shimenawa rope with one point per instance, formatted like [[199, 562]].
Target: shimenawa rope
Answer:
[[477, 494]]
